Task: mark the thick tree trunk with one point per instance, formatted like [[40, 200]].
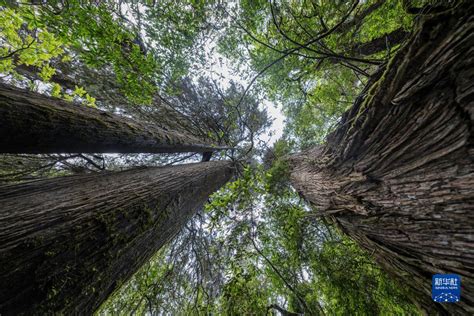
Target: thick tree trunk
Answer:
[[34, 123], [398, 173], [66, 244]]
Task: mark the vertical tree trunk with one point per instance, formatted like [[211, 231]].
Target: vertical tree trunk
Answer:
[[34, 123], [398, 173], [67, 243]]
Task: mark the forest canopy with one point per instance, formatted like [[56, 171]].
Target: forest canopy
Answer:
[[144, 170]]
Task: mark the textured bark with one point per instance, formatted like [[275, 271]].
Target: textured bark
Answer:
[[398, 173], [66, 244], [34, 123]]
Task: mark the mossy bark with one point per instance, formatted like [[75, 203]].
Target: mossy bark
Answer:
[[66, 244], [398, 173], [34, 123]]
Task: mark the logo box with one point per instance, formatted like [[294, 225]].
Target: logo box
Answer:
[[446, 288]]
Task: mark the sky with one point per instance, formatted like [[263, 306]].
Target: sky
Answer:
[[276, 130]]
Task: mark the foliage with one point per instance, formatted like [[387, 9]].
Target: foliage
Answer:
[[278, 173], [27, 44], [102, 41], [143, 47], [22, 41], [309, 54]]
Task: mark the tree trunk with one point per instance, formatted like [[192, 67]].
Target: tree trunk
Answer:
[[66, 244], [379, 44], [398, 173], [102, 85], [33, 123]]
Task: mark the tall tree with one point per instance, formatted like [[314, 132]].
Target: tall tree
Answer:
[[72, 241], [397, 175], [34, 123]]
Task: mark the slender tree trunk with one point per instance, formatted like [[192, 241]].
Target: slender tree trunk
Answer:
[[34, 123], [398, 173], [66, 244]]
